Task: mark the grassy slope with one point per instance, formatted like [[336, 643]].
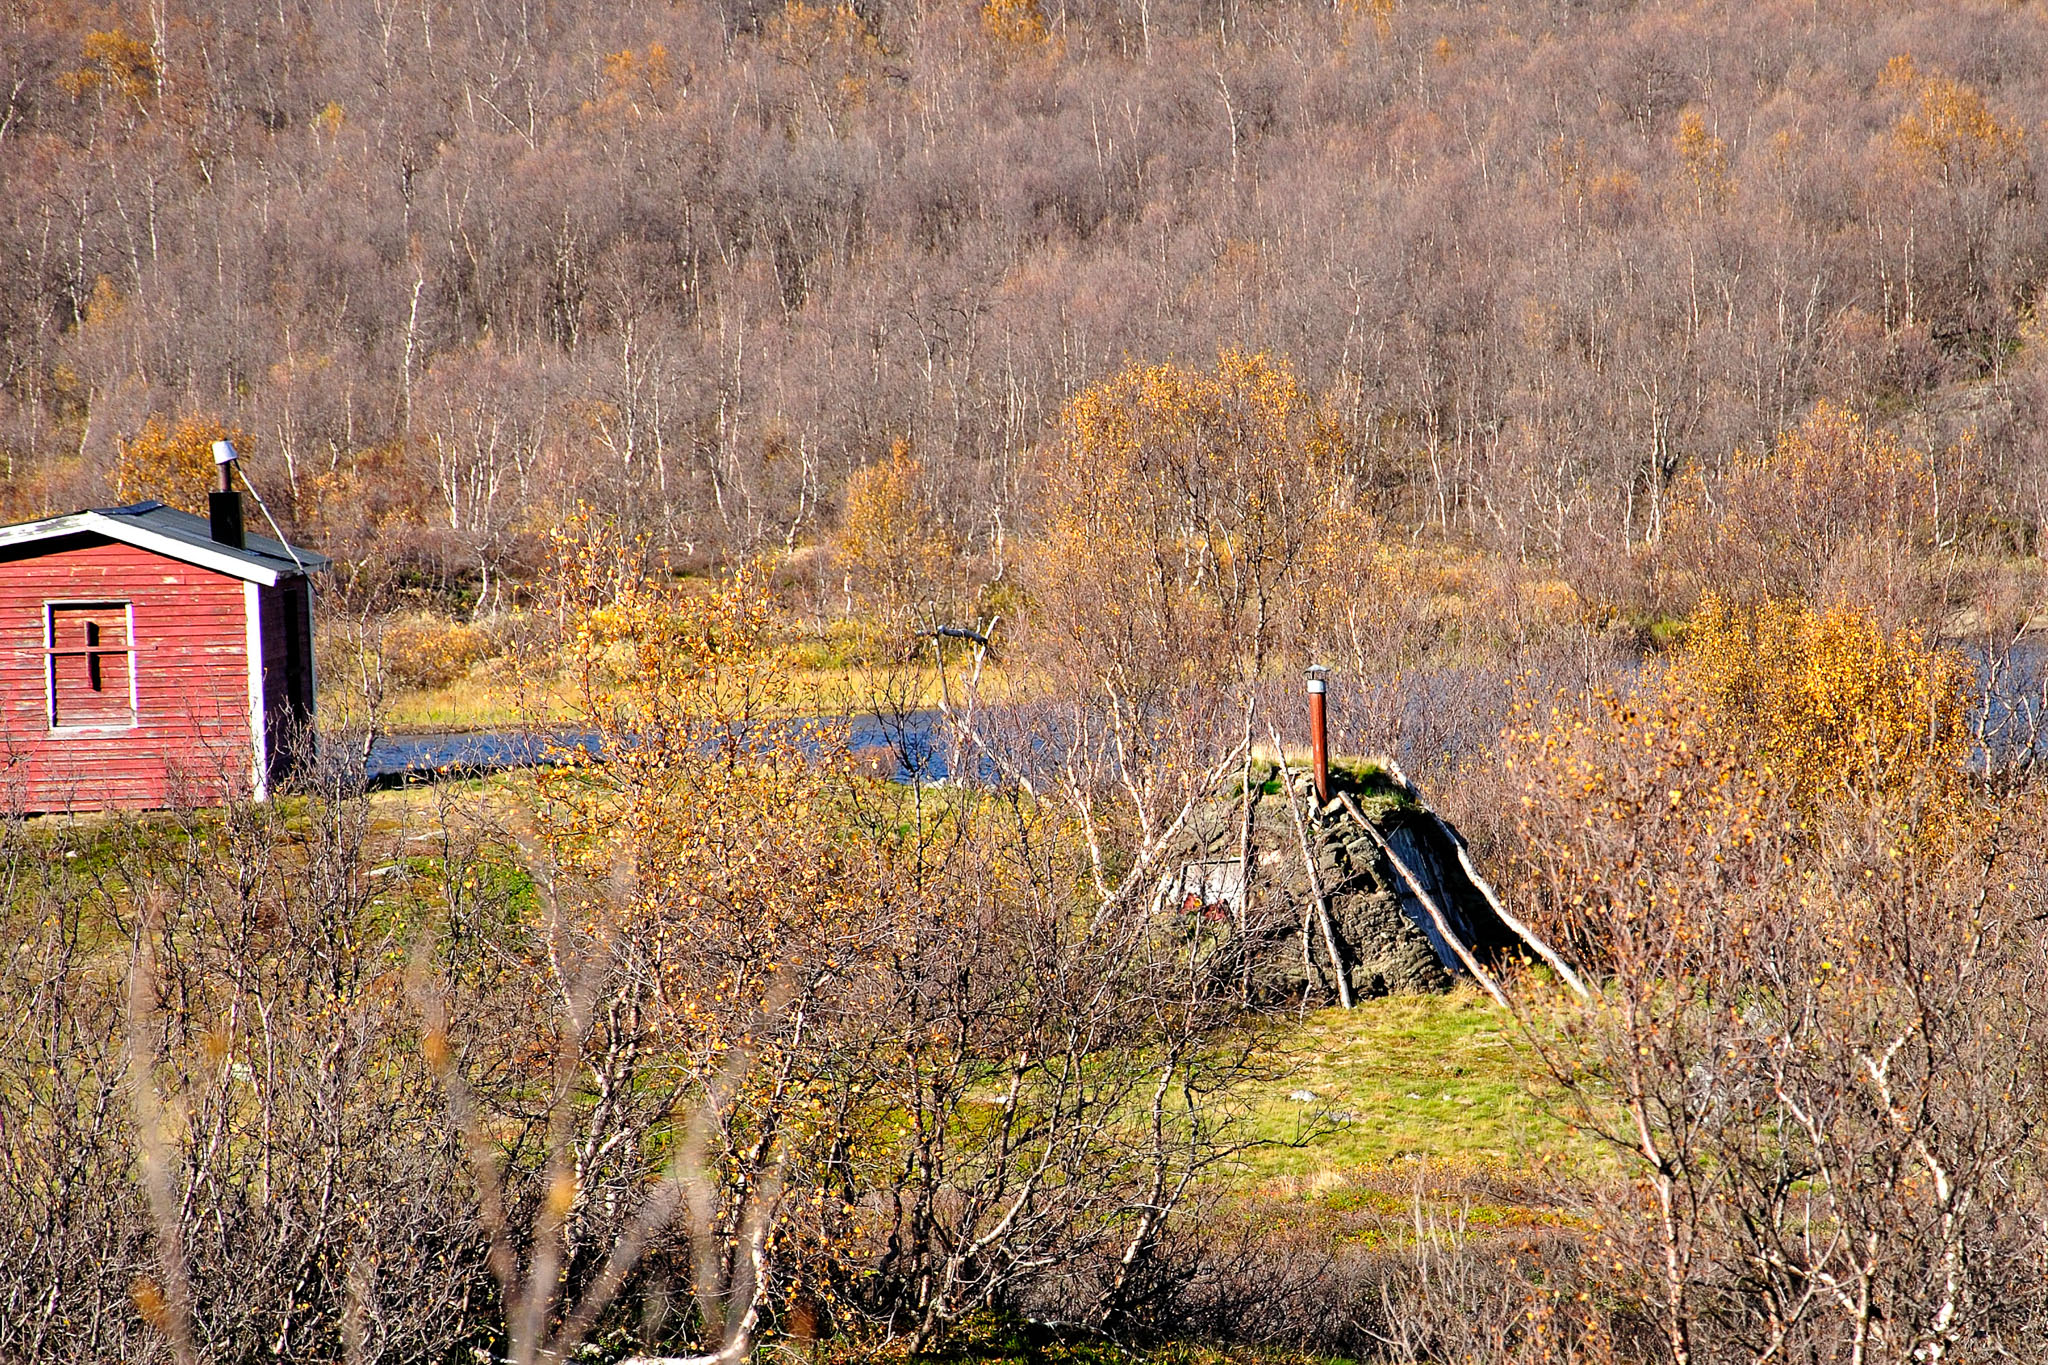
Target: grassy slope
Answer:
[[1429, 1123], [1441, 1079]]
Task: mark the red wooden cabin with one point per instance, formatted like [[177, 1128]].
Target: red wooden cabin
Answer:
[[150, 658]]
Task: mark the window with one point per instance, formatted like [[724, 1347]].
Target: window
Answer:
[[91, 676]]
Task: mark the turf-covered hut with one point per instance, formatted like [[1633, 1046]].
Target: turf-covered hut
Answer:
[[1368, 886], [150, 658]]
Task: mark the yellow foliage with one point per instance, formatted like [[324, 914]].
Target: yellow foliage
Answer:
[[1381, 12], [1951, 133], [1706, 160], [1832, 494], [1380, 602], [1705, 804], [719, 827], [834, 49], [173, 464], [1182, 509], [105, 304], [430, 651], [112, 63], [1827, 701], [1834, 456], [717, 862], [807, 35], [1019, 22], [631, 79], [625, 68], [1631, 802], [890, 537]]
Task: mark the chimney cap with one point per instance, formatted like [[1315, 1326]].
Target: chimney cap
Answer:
[[1318, 678], [223, 452]]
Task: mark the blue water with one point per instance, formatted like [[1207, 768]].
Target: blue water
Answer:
[[1429, 720], [904, 749]]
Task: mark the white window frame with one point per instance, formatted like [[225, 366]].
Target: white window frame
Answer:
[[50, 651]]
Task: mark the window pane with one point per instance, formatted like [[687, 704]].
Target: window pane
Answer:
[[103, 623], [90, 665]]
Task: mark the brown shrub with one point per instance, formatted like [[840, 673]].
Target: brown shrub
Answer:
[[424, 651]]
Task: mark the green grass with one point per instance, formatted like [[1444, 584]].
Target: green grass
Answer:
[[463, 706], [480, 701], [1001, 1339], [1442, 1079]]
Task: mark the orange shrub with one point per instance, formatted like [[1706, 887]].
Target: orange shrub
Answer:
[[895, 551], [1836, 509], [1182, 510], [1688, 799], [173, 464]]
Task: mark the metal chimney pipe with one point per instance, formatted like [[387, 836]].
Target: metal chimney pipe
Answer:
[[224, 508], [1319, 730]]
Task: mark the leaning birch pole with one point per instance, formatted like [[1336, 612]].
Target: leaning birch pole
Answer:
[[1516, 926], [1521, 930], [1315, 883], [1436, 914]]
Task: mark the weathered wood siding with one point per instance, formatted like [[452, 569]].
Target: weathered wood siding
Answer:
[[189, 742]]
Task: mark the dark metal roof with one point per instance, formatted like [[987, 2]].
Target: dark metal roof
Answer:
[[193, 530], [180, 535]]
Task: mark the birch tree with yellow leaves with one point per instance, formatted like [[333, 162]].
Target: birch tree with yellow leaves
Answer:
[[1184, 513], [1819, 1048]]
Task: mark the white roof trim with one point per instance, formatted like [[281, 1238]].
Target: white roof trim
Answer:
[[125, 530]]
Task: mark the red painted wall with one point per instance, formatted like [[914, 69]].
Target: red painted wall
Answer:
[[190, 741]]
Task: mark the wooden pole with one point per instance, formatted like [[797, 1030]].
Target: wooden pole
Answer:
[[1315, 884], [1436, 915], [1523, 931]]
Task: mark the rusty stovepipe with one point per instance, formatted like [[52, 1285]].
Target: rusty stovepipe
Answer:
[[1319, 731]]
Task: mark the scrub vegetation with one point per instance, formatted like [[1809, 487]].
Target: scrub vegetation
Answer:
[[1637, 410]]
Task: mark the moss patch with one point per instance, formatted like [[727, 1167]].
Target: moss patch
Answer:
[[1442, 1079]]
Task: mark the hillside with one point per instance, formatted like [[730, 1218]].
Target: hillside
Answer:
[[449, 267]]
